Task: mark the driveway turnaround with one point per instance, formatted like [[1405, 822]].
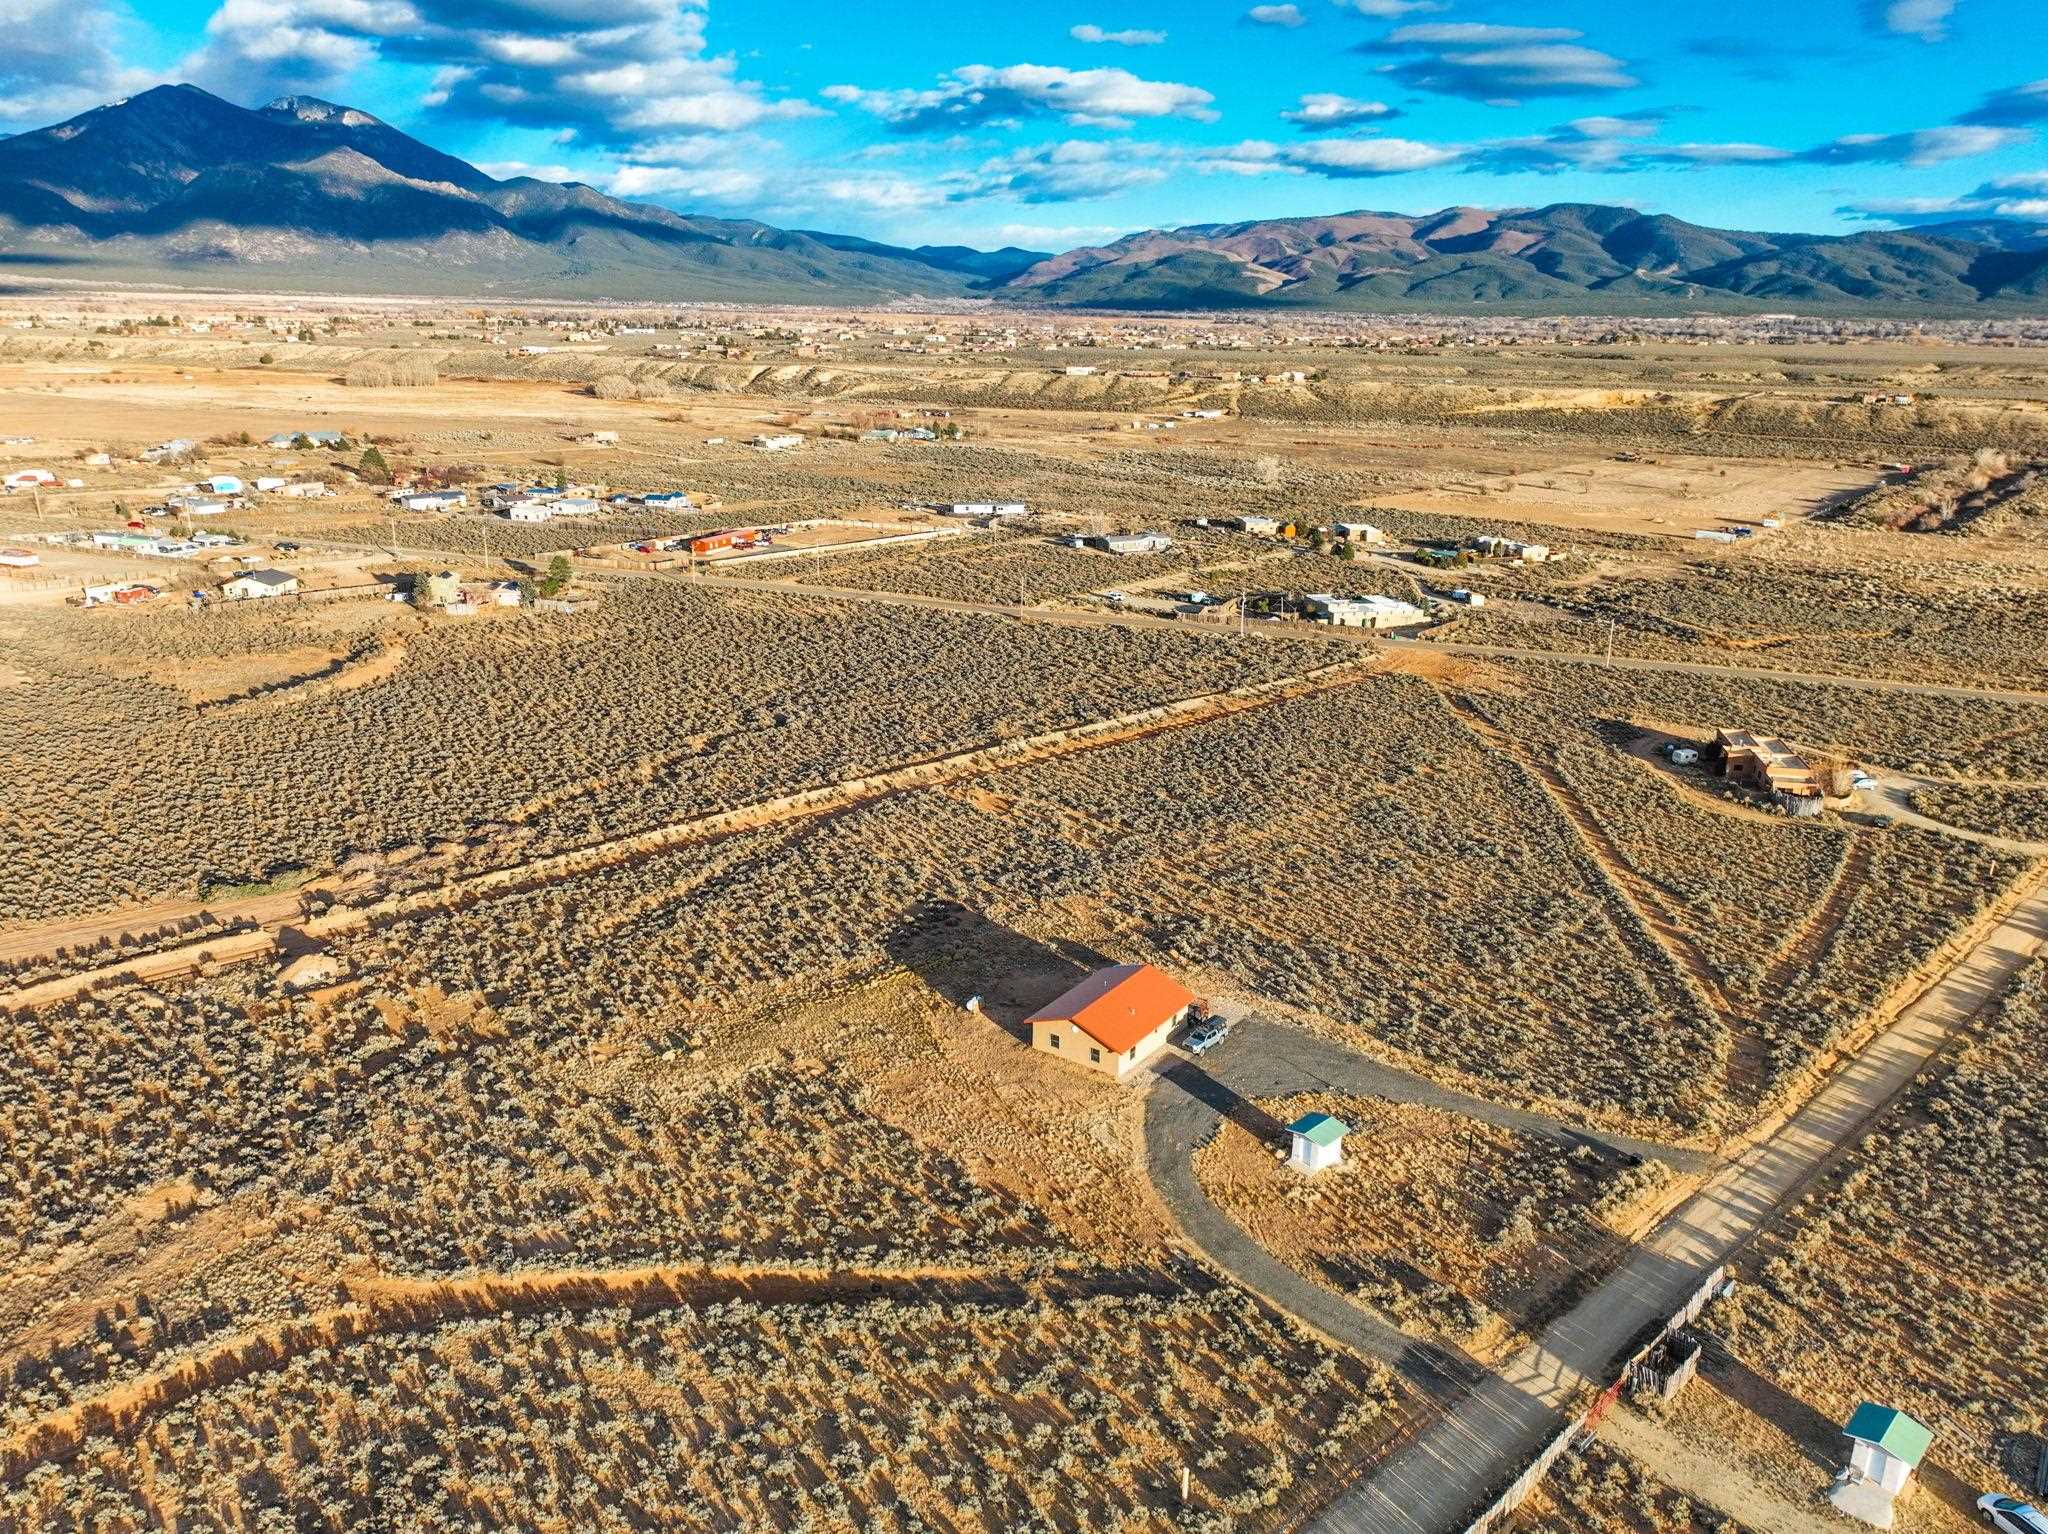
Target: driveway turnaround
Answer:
[[1482, 1427]]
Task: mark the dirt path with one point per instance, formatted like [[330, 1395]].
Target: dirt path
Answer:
[[1803, 947], [1707, 1480], [1744, 1065], [1893, 801], [1453, 1465], [808, 804], [384, 1305]]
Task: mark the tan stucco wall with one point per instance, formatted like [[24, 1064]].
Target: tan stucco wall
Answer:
[[1075, 1044]]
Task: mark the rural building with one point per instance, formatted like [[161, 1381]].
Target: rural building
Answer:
[[1885, 1448], [1316, 1142], [1114, 1020], [433, 500], [1264, 527], [731, 538], [1768, 765], [1133, 543], [177, 447], [778, 444], [124, 593], [27, 479], [305, 490], [1360, 532], [530, 511], [668, 500], [574, 506], [1371, 612], [269, 484], [260, 583], [20, 559]]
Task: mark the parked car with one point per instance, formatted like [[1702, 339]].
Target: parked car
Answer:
[[1862, 783], [1207, 1034], [2009, 1515], [287, 548]]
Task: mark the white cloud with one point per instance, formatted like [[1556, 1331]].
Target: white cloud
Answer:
[[1327, 109], [1276, 16], [1347, 157], [978, 95], [1924, 19], [1483, 61], [1390, 10], [613, 70], [1924, 146], [57, 59], [1130, 37]]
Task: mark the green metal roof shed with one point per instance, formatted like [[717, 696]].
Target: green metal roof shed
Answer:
[[1891, 1430], [1319, 1129]]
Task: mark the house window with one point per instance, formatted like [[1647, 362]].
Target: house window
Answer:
[[1133, 1054], [1095, 1057], [1053, 1039]]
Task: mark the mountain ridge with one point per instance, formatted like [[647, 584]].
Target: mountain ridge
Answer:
[[176, 184]]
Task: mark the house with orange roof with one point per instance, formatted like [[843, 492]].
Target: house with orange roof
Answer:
[[1114, 1020]]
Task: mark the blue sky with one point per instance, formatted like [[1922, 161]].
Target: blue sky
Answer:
[[1058, 122]]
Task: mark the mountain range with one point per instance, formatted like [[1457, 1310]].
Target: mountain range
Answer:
[[177, 185]]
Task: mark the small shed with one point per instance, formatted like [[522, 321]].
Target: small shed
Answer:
[[1885, 1448], [1317, 1142]]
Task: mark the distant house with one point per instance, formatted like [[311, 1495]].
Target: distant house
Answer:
[[269, 484], [260, 583], [980, 508], [20, 559], [1264, 527], [305, 490], [177, 447], [1133, 543], [27, 479], [778, 444], [1360, 532], [1368, 612], [1114, 1020], [432, 500], [1768, 765], [1316, 1142], [119, 593], [1885, 1448], [530, 511], [730, 538]]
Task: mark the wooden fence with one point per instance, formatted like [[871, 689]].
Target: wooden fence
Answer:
[[1518, 1491]]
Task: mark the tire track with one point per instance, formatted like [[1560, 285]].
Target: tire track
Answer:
[[806, 804], [1744, 1063], [384, 1306]]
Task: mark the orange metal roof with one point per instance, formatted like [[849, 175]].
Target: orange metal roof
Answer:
[[1119, 1005]]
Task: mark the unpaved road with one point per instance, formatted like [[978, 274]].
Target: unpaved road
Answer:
[[1486, 1433]]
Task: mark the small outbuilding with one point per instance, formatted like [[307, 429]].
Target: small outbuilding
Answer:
[[1316, 1142], [1885, 1448], [1114, 1020]]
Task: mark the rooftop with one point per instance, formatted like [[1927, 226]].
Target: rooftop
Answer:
[[1319, 1128], [1891, 1430], [1119, 1005]]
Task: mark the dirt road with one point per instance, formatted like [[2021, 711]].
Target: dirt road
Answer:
[[1435, 1481]]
